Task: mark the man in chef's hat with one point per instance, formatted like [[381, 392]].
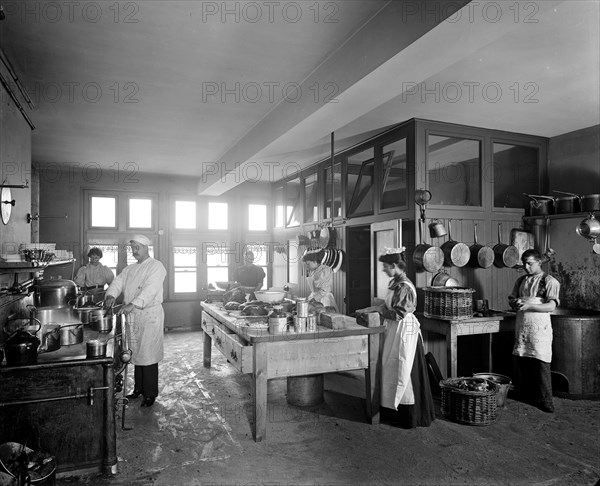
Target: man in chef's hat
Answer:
[[141, 284]]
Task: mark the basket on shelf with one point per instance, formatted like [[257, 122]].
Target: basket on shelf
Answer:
[[448, 302], [477, 406]]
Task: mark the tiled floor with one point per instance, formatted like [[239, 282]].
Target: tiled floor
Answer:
[[199, 433]]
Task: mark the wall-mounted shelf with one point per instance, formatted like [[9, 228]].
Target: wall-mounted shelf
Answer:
[[27, 267], [558, 216]]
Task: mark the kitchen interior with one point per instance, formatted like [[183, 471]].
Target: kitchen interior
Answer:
[[435, 127]]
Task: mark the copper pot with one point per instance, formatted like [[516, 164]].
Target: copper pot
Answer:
[[456, 254], [482, 256], [569, 203], [540, 205], [427, 257], [505, 255]]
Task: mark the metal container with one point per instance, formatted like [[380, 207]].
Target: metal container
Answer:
[[302, 307], [311, 323], [55, 293], [575, 353], [299, 324], [71, 334], [95, 348], [56, 315], [103, 324]]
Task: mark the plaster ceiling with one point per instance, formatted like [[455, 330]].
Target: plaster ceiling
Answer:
[[198, 88]]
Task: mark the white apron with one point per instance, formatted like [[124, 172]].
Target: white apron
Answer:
[[399, 349], [533, 333]]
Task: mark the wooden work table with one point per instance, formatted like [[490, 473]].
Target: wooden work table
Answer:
[[251, 349], [452, 329]]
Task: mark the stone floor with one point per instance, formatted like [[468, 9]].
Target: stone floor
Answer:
[[199, 432]]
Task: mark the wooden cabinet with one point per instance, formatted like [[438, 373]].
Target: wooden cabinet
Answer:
[[66, 400]]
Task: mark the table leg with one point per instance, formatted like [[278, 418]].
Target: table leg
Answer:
[[260, 390], [451, 353], [207, 349], [373, 380]]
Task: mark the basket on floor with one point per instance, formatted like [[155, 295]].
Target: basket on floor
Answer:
[[448, 302], [467, 406]]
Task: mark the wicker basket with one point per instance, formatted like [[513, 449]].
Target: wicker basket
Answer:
[[448, 302], [469, 407]]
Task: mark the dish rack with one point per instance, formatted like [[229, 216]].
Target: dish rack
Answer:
[[448, 302]]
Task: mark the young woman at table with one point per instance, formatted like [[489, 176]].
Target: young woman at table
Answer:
[[405, 383], [319, 279]]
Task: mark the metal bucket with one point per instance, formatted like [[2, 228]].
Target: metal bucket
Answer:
[[503, 385]]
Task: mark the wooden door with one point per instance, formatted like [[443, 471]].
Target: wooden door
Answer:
[[383, 235]]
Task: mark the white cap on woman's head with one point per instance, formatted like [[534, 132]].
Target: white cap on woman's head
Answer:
[[144, 240]]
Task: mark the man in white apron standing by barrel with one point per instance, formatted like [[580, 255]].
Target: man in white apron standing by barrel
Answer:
[[534, 297], [142, 286]]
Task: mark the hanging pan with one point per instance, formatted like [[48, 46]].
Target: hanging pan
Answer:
[[456, 254], [442, 279], [482, 256], [505, 255], [427, 257]]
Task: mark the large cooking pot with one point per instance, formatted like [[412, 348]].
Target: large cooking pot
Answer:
[[71, 334], [427, 257], [569, 203], [54, 293], [590, 203], [456, 254], [589, 228], [505, 255], [540, 205], [482, 256], [55, 315], [21, 348]]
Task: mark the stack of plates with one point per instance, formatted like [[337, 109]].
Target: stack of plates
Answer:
[[12, 257]]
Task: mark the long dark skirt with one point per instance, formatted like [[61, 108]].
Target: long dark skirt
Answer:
[[422, 413], [533, 382]]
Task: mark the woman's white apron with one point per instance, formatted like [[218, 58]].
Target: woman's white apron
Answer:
[[399, 349]]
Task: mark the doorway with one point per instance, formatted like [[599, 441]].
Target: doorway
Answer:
[[359, 268]]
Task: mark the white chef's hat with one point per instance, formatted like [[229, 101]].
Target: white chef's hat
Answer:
[[144, 240]]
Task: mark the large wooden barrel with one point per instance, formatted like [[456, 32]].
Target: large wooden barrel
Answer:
[[576, 353], [305, 391]]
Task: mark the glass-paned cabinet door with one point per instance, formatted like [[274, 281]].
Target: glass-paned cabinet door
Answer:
[[361, 169], [454, 171], [292, 206], [333, 191], [310, 199], [279, 212], [395, 181], [515, 173]]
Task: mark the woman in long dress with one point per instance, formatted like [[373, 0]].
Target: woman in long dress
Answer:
[[534, 296], [405, 388]]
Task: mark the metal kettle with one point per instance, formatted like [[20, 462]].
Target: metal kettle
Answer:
[[21, 348], [437, 229]]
